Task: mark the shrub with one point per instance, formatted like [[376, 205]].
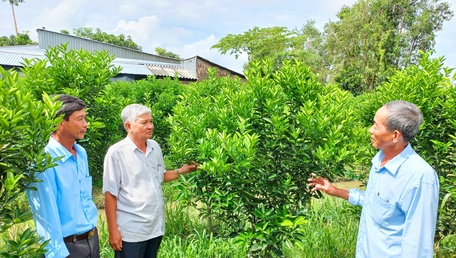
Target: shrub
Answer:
[[258, 142], [159, 94], [25, 127]]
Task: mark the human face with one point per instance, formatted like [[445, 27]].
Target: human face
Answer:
[[76, 126], [381, 136], [142, 128]]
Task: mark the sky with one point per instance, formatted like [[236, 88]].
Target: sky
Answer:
[[187, 27]]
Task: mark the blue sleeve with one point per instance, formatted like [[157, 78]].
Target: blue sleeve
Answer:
[[45, 214], [356, 197]]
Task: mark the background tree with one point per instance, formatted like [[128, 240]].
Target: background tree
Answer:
[[307, 46], [257, 43], [373, 38], [162, 52], [14, 3], [368, 42], [120, 40], [279, 44], [21, 39]]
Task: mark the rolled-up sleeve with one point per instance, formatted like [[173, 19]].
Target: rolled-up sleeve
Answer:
[[356, 197]]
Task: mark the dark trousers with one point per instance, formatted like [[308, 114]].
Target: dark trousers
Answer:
[[87, 248], [145, 249]]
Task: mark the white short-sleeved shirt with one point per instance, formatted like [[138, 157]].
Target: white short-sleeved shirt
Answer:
[[135, 178]]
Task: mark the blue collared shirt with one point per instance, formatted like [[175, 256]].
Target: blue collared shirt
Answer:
[[400, 205], [62, 204]]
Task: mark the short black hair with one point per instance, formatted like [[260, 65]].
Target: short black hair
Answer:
[[71, 104]]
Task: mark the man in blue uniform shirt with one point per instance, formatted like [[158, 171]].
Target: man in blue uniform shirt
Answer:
[[400, 202], [62, 205]]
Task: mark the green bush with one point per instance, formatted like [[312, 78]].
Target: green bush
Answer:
[[159, 94], [258, 142], [25, 127], [76, 72]]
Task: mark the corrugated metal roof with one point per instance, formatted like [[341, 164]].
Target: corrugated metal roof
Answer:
[[132, 61], [137, 69], [166, 70], [48, 38], [15, 59]]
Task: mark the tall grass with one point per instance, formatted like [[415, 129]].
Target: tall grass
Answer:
[[186, 234], [330, 232], [200, 244]]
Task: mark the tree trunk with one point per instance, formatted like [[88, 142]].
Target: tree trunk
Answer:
[[15, 23]]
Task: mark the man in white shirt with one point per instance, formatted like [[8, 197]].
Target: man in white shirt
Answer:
[[133, 173]]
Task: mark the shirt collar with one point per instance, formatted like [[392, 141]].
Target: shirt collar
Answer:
[[132, 146], [393, 165], [61, 151]]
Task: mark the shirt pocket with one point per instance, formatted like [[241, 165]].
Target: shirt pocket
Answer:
[[384, 212], [86, 187]]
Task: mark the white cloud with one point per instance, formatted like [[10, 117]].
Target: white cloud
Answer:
[[140, 30], [62, 16], [149, 33]]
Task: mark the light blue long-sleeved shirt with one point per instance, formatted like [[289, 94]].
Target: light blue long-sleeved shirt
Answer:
[[400, 205], [62, 204]]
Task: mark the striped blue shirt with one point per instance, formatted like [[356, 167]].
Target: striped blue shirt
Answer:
[[400, 205], [62, 204]]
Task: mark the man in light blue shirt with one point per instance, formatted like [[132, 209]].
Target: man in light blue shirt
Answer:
[[400, 202], [62, 205]]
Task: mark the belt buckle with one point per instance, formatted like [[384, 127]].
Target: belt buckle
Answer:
[[91, 233]]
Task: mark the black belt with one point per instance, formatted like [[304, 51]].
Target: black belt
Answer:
[[83, 236]]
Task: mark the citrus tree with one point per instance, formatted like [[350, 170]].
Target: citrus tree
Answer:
[[25, 127], [257, 143]]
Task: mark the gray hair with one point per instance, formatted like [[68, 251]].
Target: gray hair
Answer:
[[405, 117], [131, 112]]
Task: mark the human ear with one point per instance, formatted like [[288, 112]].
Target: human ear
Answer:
[[396, 135]]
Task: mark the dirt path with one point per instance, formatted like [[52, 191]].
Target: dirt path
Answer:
[[349, 184]]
